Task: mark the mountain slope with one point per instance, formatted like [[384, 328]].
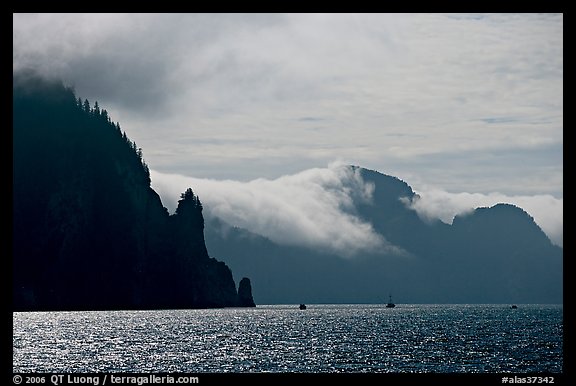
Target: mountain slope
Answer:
[[492, 255], [88, 230]]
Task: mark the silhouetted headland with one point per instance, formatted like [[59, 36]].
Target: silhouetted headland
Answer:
[[89, 232]]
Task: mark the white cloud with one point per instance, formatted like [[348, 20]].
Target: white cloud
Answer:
[[472, 103], [546, 210], [245, 95], [313, 208]]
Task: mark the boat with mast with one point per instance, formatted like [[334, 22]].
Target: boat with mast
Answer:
[[390, 303]]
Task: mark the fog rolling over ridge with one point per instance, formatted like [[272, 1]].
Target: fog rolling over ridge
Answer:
[[344, 234], [316, 207]]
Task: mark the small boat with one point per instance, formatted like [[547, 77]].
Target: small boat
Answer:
[[514, 306], [302, 306], [390, 304]]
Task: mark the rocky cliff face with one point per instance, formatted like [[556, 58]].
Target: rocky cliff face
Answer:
[[245, 293], [88, 230]]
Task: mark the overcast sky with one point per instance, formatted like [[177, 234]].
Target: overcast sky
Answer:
[[468, 107]]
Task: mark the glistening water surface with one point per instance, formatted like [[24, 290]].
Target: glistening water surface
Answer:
[[282, 338]]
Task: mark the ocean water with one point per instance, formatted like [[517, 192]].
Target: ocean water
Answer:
[[282, 338]]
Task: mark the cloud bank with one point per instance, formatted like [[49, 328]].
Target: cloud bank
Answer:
[[315, 208], [546, 210]]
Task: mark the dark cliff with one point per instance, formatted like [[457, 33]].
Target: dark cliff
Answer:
[[245, 293], [88, 230]]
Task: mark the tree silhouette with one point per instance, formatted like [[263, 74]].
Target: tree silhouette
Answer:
[[188, 200], [86, 106]]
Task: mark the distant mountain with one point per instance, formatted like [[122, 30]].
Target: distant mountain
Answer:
[[88, 230], [492, 255]]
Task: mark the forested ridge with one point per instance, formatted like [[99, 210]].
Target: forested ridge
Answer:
[[88, 230]]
